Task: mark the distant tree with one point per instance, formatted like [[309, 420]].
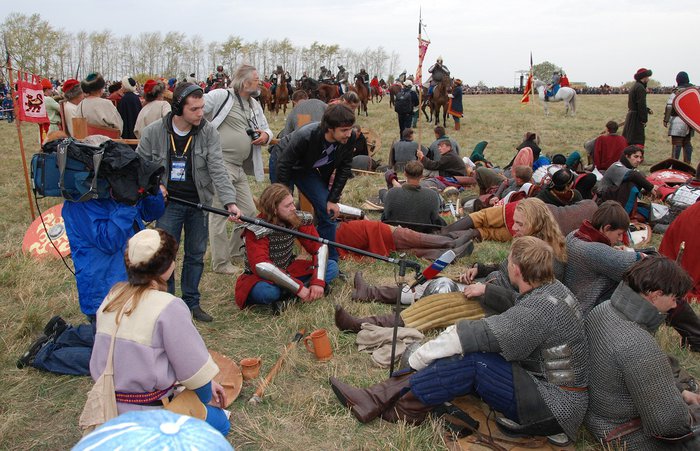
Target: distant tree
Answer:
[[544, 70], [651, 84]]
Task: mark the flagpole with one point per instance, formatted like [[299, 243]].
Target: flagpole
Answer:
[[532, 84], [420, 77], [19, 133]]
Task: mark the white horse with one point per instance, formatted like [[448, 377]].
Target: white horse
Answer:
[[568, 95]]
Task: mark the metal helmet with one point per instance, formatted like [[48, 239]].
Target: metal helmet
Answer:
[[439, 60], [440, 285]]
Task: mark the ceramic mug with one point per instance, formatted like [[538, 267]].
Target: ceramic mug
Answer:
[[321, 344], [250, 367]]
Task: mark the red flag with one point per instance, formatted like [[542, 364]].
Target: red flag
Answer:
[[31, 99], [528, 89], [422, 49]]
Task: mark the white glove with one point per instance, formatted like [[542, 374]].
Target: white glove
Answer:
[[445, 345]]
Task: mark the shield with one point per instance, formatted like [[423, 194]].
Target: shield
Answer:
[[374, 142], [229, 377], [687, 105], [47, 238]]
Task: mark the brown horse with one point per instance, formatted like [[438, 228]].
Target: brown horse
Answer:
[[328, 92], [376, 92], [265, 98], [439, 101], [281, 94], [362, 93], [393, 90]]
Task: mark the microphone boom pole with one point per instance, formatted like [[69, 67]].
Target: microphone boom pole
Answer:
[[260, 222]]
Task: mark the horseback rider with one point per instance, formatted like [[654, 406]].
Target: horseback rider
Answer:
[[375, 84], [221, 78], [438, 73], [364, 76], [273, 79], [402, 77], [326, 75], [564, 81], [553, 88], [342, 79]]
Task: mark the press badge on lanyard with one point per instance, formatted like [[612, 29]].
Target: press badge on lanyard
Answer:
[[178, 163]]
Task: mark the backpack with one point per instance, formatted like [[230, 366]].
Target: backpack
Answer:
[[403, 103], [79, 172]]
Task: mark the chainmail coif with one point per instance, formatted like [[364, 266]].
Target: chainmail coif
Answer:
[[542, 319], [630, 376]]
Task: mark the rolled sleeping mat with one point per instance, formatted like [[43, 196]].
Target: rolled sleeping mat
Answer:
[[441, 310]]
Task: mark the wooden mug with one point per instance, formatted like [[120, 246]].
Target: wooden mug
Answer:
[[250, 367], [321, 344]]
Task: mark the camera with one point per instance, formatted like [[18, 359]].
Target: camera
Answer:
[[254, 134]]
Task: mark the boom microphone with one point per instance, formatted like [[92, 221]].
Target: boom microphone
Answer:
[[433, 270]]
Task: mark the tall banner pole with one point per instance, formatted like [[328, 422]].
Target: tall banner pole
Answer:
[[19, 134], [419, 76]]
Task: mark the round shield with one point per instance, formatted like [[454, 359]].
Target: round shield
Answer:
[[374, 142], [229, 377], [47, 238], [669, 177]]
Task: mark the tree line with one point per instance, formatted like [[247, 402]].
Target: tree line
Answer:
[[38, 47]]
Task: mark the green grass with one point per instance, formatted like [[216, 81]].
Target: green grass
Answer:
[[40, 411]]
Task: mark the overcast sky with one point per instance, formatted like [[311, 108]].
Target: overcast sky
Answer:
[[595, 41]]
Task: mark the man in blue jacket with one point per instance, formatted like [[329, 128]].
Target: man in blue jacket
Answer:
[[98, 231]]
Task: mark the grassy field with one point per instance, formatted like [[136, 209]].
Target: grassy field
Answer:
[[40, 411]]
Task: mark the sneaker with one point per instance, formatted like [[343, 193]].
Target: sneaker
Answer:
[[28, 357], [201, 315], [55, 327]]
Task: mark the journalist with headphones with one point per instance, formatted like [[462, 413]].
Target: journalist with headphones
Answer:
[[189, 149]]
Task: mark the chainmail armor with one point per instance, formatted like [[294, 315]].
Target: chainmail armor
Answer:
[[593, 270], [281, 244], [630, 377], [546, 322]]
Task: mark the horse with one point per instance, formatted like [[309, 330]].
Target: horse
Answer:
[[567, 95], [281, 94], [439, 101], [265, 98], [376, 91], [362, 93], [393, 90]]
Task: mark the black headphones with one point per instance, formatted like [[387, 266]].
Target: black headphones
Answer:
[[179, 102]]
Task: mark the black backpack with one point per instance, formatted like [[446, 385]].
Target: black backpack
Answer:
[[403, 103]]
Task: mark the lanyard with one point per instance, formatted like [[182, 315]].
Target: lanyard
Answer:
[[252, 124], [187, 146]]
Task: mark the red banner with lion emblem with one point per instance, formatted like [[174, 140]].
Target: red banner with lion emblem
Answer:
[[31, 99]]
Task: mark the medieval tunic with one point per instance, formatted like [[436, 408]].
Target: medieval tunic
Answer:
[[414, 204], [372, 236], [70, 110], [129, 108], [685, 228], [100, 112], [637, 114], [266, 245], [630, 376], [156, 346], [151, 112]]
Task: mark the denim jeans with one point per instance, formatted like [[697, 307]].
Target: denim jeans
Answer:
[[266, 293], [196, 225], [315, 189], [69, 353]]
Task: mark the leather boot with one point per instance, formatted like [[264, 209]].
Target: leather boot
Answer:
[[407, 408], [365, 292], [465, 223], [687, 324], [367, 404], [346, 322], [457, 126]]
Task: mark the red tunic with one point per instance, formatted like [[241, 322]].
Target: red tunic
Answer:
[[258, 250], [372, 236], [608, 150], [684, 228]]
